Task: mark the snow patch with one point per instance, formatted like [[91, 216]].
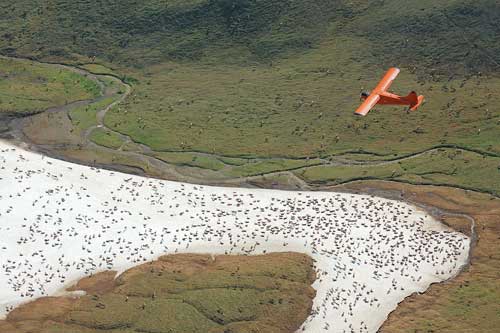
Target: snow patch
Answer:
[[60, 222]]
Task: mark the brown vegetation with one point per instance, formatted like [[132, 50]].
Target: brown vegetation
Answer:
[[181, 293]]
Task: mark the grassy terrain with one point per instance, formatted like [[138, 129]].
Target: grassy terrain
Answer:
[[443, 166], [469, 302], [132, 33], [193, 160], [106, 138], [289, 110], [277, 78], [233, 167], [29, 87], [84, 117], [268, 166], [139, 33], [182, 293], [247, 79], [98, 69]]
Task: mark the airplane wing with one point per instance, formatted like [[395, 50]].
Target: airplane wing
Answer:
[[367, 105], [386, 81]]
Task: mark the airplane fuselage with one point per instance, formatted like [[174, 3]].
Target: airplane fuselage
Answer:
[[388, 98]]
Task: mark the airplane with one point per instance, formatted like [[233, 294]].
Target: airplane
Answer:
[[380, 95]]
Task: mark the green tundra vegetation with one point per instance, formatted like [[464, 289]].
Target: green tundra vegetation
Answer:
[[183, 294], [269, 84], [85, 116], [106, 138], [28, 87], [445, 166]]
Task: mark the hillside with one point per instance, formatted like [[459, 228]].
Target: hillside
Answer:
[[278, 80], [136, 33]]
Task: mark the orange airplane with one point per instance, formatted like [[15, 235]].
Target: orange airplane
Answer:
[[380, 95]]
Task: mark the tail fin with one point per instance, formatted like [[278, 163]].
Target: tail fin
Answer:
[[412, 98], [420, 100]]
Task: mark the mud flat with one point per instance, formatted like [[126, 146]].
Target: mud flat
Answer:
[[60, 222]]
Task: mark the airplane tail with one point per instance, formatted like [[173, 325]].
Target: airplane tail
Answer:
[[412, 97], [414, 100]]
